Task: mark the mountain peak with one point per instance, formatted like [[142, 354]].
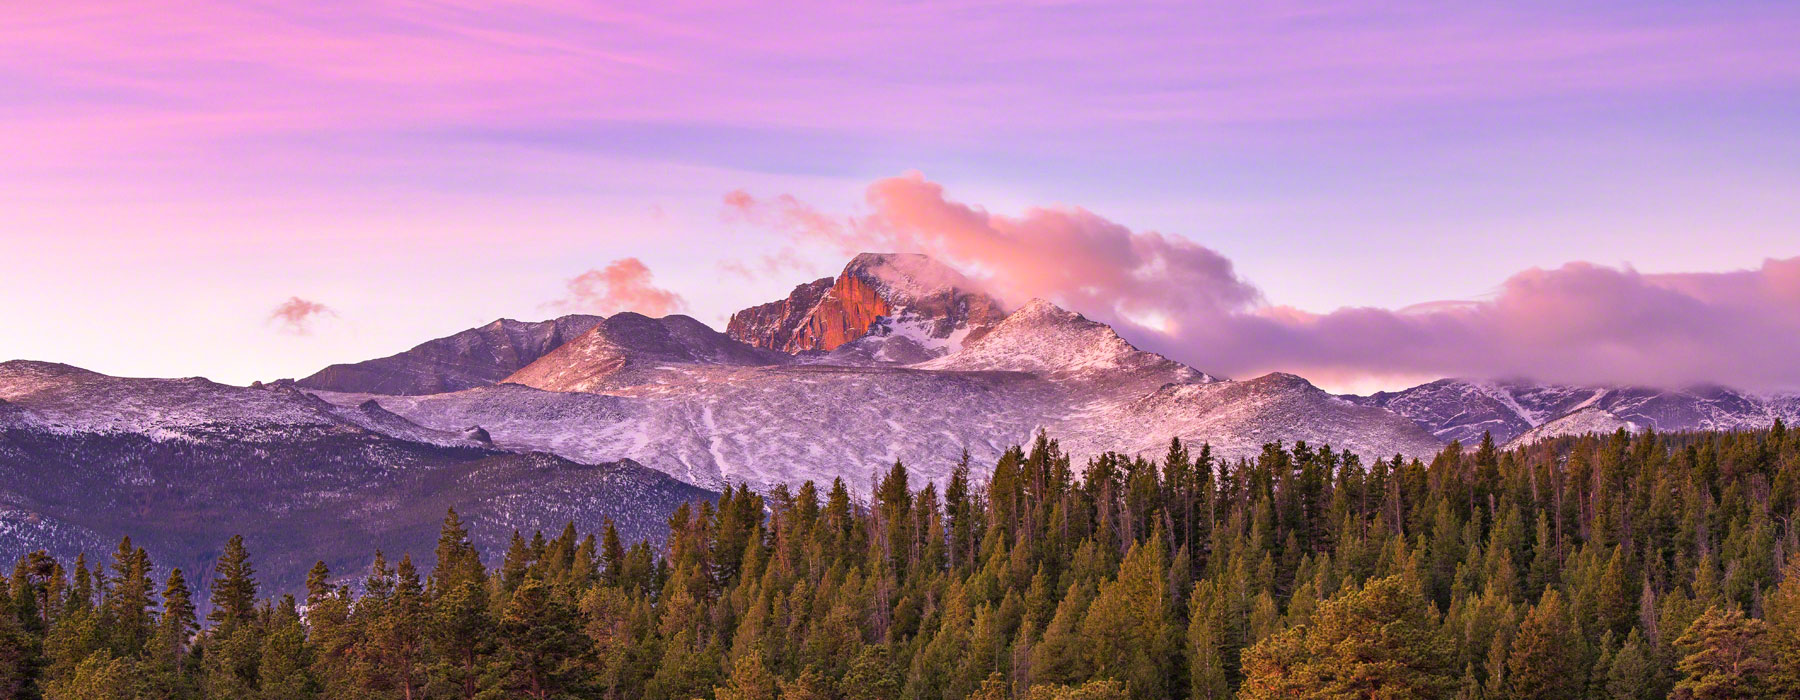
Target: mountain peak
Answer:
[[877, 294], [906, 276], [1040, 309], [1046, 339]]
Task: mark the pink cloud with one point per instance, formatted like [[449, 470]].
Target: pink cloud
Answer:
[[297, 316], [623, 285], [1580, 322]]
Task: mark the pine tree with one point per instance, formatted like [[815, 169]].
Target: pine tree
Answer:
[[1129, 637], [1632, 675], [129, 599], [1378, 641], [538, 642], [461, 624], [612, 556], [1782, 614], [750, 680], [1541, 664], [168, 649], [282, 670], [1208, 676], [233, 586], [1723, 656], [233, 646]]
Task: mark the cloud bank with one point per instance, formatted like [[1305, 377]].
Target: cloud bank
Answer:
[[297, 316], [623, 285], [1577, 323]]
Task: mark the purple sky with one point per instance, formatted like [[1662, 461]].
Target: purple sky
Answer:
[[250, 190]]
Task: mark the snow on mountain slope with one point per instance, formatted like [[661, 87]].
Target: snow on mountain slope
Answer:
[[1048, 340], [1238, 417], [1461, 409], [717, 425], [1591, 419], [65, 399], [182, 464], [1454, 409], [1043, 368], [471, 358]]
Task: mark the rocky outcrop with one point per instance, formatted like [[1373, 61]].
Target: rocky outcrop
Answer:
[[877, 293], [773, 325], [844, 314], [472, 358]]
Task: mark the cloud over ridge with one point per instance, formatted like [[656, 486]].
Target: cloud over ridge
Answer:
[[1580, 322]]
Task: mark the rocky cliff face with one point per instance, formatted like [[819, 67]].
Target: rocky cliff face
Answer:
[[771, 326], [844, 314], [879, 294]]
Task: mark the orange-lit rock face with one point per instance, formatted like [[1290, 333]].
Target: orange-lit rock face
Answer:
[[817, 316], [770, 326], [845, 314], [825, 314]]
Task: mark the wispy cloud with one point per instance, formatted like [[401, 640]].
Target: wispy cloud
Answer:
[[625, 284], [107, 74], [297, 316]]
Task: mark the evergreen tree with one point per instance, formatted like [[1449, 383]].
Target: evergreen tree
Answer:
[[539, 642], [1377, 641], [1724, 656], [1542, 663]]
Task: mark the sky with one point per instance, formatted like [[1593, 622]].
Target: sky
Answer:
[[1368, 194]]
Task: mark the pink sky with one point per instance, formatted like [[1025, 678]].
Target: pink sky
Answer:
[[173, 172]]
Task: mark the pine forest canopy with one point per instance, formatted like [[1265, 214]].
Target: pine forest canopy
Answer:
[[1612, 566]]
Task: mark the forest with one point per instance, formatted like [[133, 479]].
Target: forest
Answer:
[[1624, 566]]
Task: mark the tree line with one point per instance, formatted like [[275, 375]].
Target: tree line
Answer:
[[1614, 566]]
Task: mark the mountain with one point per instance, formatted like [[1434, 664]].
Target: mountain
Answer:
[[1046, 339], [623, 348], [1461, 409], [180, 465], [722, 416], [917, 303], [897, 358], [472, 358], [1591, 419]]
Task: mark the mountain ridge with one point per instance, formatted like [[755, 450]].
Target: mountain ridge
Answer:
[[182, 464], [470, 358]]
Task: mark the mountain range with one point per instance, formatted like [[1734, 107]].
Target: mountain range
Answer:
[[525, 425], [1518, 412], [180, 465]]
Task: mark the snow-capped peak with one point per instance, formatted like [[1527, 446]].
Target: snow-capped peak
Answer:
[[902, 277], [1043, 338]]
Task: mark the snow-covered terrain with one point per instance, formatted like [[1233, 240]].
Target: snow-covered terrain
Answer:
[[1591, 419], [1042, 368], [182, 464], [529, 424], [1461, 409]]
